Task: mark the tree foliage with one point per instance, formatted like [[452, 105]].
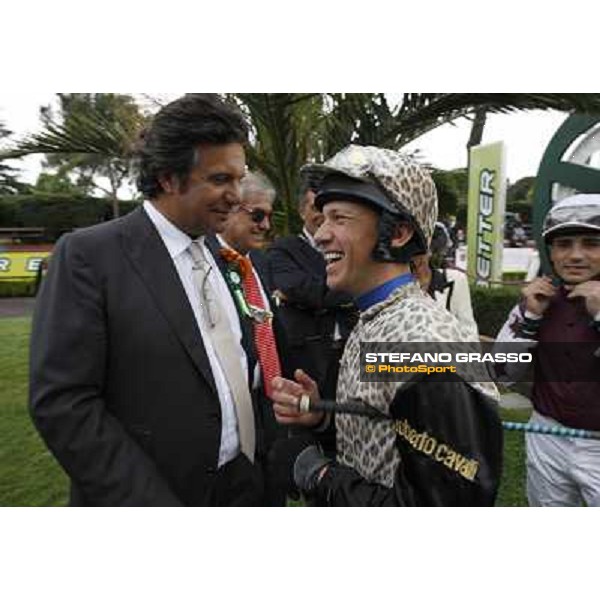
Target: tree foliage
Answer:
[[519, 198], [9, 182], [447, 191], [292, 129], [283, 135], [48, 183], [520, 191], [96, 132], [89, 138]]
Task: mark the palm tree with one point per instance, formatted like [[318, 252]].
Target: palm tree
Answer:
[[583, 103], [9, 184], [283, 136], [373, 121], [92, 137]]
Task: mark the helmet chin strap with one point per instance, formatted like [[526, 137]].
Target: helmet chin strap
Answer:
[[385, 252]]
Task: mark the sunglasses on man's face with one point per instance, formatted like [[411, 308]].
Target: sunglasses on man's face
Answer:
[[257, 215]]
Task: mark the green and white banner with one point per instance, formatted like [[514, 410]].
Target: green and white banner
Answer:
[[487, 203]]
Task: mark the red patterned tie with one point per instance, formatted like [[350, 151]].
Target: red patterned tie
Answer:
[[264, 339]]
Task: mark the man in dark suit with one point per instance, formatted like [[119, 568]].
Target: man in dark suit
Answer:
[[127, 387], [317, 320], [238, 253]]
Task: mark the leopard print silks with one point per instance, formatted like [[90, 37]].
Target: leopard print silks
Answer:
[[407, 315]]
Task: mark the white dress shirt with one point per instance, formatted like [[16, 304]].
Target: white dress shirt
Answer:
[[177, 244]]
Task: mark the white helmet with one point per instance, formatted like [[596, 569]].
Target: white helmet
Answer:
[[581, 211]]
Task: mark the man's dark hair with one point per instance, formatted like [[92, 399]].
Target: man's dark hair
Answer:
[[304, 187], [168, 146], [306, 184]]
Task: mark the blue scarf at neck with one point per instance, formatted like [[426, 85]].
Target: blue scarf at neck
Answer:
[[379, 294]]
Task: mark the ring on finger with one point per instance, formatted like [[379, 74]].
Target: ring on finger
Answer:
[[304, 403]]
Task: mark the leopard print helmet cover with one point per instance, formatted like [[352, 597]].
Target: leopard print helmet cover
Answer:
[[408, 186]]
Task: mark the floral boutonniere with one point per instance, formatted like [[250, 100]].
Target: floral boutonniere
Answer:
[[234, 281], [236, 261], [239, 268]]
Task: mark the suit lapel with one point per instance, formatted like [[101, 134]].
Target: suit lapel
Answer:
[[146, 251], [313, 259]]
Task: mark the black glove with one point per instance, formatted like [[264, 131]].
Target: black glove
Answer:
[[307, 467], [288, 473]]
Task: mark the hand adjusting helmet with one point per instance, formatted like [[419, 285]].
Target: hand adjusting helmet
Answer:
[[397, 187]]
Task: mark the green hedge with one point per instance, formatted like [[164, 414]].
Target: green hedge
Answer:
[[17, 289], [491, 306], [56, 213]]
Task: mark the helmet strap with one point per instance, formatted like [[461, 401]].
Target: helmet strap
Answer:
[[387, 231]]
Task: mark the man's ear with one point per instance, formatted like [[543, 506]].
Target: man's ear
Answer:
[[402, 235], [169, 183]]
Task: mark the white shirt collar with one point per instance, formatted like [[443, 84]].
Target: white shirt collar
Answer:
[[224, 243], [176, 241], [310, 238]]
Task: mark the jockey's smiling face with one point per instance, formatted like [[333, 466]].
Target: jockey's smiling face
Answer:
[[347, 238]]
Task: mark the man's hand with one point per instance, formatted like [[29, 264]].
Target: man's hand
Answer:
[[537, 295], [279, 297], [590, 292], [286, 399]]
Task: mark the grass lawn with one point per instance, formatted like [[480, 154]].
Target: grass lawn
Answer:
[[29, 476], [512, 487]]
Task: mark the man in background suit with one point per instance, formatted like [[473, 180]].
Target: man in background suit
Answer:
[[127, 387], [238, 253], [317, 320]]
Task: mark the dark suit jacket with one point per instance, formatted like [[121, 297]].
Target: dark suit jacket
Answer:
[[121, 386], [310, 313]]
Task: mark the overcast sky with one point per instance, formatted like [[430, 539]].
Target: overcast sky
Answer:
[[526, 135]]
